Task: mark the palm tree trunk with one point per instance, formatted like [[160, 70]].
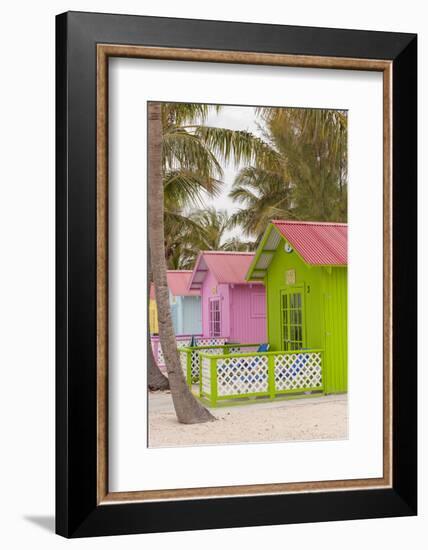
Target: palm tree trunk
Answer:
[[156, 380], [187, 408]]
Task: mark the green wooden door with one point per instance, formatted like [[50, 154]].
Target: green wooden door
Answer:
[[292, 318]]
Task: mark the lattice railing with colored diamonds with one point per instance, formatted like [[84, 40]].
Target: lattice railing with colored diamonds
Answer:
[[182, 342], [238, 375], [300, 372], [267, 374], [191, 361]]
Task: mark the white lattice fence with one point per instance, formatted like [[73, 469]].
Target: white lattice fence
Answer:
[[184, 342], [194, 366], [296, 371], [194, 361], [183, 362], [180, 344], [242, 375], [260, 374], [206, 375], [249, 374], [220, 350], [211, 341]]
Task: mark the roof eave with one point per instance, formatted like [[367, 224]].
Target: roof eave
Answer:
[[259, 251], [194, 271]]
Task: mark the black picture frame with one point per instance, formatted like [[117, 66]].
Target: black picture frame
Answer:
[[77, 512]]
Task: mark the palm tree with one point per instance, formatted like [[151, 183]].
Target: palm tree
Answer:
[[307, 177], [187, 408], [156, 380], [181, 234], [204, 229], [189, 169], [265, 194], [314, 144], [214, 225], [192, 172]]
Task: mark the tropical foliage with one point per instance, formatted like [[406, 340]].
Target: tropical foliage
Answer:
[[296, 169], [188, 410], [192, 158], [190, 170], [211, 234], [305, 180]]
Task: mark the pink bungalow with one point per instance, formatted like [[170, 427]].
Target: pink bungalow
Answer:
[[232, 308]]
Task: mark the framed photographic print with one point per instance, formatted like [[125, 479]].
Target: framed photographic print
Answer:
[[236, 274]]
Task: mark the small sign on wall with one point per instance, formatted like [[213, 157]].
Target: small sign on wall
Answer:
[[290, 277]]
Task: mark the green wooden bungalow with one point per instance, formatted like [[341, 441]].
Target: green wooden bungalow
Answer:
[[304, 268]]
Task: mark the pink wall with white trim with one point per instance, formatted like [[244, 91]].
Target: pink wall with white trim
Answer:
[[243, 310], [211, 289]]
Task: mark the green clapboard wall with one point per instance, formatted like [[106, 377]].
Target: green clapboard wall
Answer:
[[324, 290]]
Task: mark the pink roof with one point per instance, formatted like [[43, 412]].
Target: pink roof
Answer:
[[318, 243], [227, 267], [178, 283]]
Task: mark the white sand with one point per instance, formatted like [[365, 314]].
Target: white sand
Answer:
[[293, 420]]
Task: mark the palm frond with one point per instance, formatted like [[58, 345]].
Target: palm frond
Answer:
[[183, 150], [239, 146], [182, 187]]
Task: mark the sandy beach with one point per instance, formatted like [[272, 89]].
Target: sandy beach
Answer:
[[324, 417]]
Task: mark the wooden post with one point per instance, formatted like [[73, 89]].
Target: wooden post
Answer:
[[213, 381]]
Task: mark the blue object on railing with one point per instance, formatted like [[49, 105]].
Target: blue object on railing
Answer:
[[193, 341], [263, 347]]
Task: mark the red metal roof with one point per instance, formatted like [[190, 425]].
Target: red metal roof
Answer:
[[318, 243], [178, 283], [227, 267]]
